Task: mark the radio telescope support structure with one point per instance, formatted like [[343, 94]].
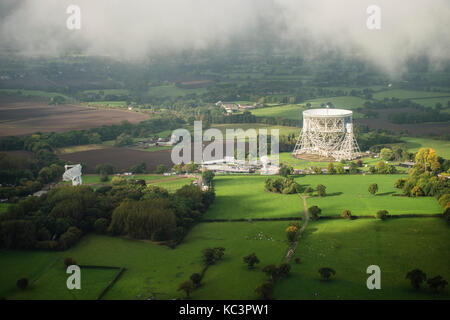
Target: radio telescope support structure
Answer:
[[73, 173], [327, 134]]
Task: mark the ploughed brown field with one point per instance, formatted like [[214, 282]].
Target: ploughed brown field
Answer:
[[411, 129], [121, 158], [124, 158], [27, 117]]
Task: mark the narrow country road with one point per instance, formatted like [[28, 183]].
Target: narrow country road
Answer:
[[300, 232]]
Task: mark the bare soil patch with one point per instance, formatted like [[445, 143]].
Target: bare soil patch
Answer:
[[121, 158], [27, 117], [413, 129]]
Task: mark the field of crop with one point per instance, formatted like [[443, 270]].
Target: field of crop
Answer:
[[152, 149], [349, 247], [346, 102], [249, 200], [109, 91], [117, 104], [86, 147]]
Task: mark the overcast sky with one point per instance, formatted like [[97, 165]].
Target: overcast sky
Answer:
[[138, 28]]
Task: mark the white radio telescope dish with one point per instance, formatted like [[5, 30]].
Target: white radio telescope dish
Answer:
[[73, 173]]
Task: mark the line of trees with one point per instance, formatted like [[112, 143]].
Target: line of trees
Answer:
[[58, 219]]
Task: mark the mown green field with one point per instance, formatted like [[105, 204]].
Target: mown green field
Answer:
[[286, 158], [289, 111], [119, 104], [349, 247], [442, 147], [170, 183], [283, 130], [246, 195], [109, 91], [408, 94], [351, 192], [151, 269], [34, 93], [294, 111], [173, 185], [3, 207], [173, 91], [345, 102], [431, 102]]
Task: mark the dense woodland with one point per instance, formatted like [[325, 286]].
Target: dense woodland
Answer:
[[57, 220]]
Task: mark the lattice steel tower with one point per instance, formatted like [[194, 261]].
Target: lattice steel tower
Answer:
[[327, 134]]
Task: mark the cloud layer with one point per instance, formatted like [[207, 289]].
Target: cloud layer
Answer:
[[139, 28]]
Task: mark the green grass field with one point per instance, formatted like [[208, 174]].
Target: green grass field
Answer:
[[150, 267], [287, 159], [442, 147], [294, 111], [170, 183], [283, 130], [172, 91], [249, 200], [109, 91], [35, 93], [345, 102], [409, 94], [349, 247], [173, 185], [431, 102], [3, 207], [290, 111], [117, 104]]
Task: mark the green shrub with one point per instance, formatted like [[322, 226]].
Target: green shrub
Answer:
[[47, 245], [346, 214], [321, 190], [314, 211], [22, 283], [101, 225], [69, 261], [282, 185], [265, 290], [382, 214]]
